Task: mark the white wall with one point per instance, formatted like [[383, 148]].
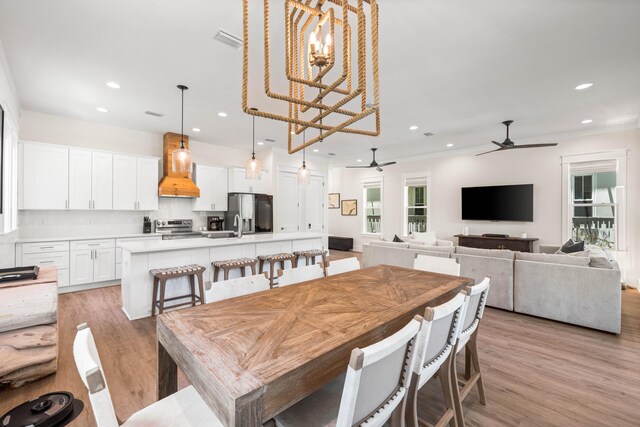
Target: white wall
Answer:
[[540, 167], [9, 102]]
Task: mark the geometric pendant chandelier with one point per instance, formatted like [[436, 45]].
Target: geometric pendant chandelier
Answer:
[[331, 51]]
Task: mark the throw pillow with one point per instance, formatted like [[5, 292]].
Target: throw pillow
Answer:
[[397, 239], [570, 246], [429, 238]]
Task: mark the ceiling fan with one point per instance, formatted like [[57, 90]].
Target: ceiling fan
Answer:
[[510, 145], [373, 164]]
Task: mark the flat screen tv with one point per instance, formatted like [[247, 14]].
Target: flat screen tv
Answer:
[[498, 203]]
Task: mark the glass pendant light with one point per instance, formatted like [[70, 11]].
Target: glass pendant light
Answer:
[[253, 166], [181, 158], [304, 173]]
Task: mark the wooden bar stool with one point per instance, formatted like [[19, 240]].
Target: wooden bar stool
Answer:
[[230, 264], [311, 255], [281, 258], [162, 275]]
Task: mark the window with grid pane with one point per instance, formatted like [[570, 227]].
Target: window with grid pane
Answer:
[[372, 198], [415, 205]]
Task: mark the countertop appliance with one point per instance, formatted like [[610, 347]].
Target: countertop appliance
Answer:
[[255, 211], [215, 223], [171, 229], [146, 225]]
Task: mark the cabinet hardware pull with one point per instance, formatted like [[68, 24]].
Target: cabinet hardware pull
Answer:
[[93, 244], [46, 262], [46, 247]]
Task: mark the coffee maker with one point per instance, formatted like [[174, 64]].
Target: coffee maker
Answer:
[[215, 223]]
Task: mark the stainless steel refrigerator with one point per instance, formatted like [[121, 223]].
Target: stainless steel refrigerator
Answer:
[[255, 212]]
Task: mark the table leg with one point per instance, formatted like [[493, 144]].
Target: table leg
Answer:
[[167, 373]]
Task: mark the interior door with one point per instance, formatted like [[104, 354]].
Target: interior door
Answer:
[[147, 184], [124, 183], [314, 205], [79, 179], [81, 266], [288, 196], [102, 181]]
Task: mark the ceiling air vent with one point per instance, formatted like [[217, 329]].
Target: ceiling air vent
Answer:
[[428, 134], [331, 154], [153, 113], [228, 39], [270, 140]]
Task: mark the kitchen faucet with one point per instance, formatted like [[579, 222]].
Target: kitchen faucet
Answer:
[[237, 222]]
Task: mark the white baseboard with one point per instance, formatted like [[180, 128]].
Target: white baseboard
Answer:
[[88, 286]]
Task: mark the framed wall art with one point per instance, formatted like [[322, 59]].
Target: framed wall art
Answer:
[[334, 200], [349, 207]]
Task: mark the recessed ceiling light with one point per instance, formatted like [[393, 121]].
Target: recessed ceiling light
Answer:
[[222, 114], [449, 145], [113, 85], [584, 86], [315, 150], [260, 143], [196, 129], [359, 160], [102, 110], [587, 121], [414, 127]]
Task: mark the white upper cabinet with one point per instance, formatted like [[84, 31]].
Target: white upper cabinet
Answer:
[[90, 180], [212, 182], [102, 181], [45, 177], [125, 170], [220, 189], [135, 183], [80, 179], [239, 184], [147, 183]]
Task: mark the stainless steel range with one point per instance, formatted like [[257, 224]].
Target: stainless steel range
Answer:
[[171, 229]]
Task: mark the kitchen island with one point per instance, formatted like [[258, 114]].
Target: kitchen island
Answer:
[[138, 258]]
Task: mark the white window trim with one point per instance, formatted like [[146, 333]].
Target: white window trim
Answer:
[[621, 208], [368, 182], [403, 182]]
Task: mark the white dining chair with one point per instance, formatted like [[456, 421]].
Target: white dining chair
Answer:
[[292, 276], [475, 301], [342, 266], [436, 264], [184, 408], [435, 352], [372, 392], [233, 288]]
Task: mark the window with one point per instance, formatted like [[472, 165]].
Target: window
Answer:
[[594, 199], [415, 207], [372, 199]]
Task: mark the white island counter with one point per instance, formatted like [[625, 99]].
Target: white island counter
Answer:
[[138, 258]]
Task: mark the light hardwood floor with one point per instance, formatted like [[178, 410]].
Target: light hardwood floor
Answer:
[[536, 372]]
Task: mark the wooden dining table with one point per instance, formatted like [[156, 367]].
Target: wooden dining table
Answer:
[[254, 356]]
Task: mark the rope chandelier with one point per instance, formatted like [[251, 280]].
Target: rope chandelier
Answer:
[[311, 50]]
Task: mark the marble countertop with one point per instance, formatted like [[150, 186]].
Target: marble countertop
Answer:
[[146, 246]]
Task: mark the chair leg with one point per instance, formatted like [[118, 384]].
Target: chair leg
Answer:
[[456, 391], [467, 364], [226, 273], [216, 270], [253, 269], [163, 283], [192, 285], [242, 269], [154, 298], [271, 274], [444, 376], [397, 416], [472, 345], [201, 286], [306, 260], [411, 413], [261, 268]]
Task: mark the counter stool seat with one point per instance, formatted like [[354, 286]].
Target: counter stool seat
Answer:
[[281, 258], [162, 275], [230, 264], [311, 254]]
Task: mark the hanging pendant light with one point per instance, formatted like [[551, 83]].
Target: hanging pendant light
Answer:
[[304, 173], [253, 166], [181, 158]]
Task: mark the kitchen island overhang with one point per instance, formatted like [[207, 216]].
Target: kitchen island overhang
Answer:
[[139, 258]]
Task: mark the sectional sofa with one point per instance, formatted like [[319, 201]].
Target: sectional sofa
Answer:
[[571, 289]]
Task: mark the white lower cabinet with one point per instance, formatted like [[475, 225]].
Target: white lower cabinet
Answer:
[[92, 261], [81, 267], [104, 265]]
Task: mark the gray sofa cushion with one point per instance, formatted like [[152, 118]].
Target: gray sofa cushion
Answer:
[[442, 249], [581, 261], [491, 253], [599, 259], [499, 269], [389, 244]]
